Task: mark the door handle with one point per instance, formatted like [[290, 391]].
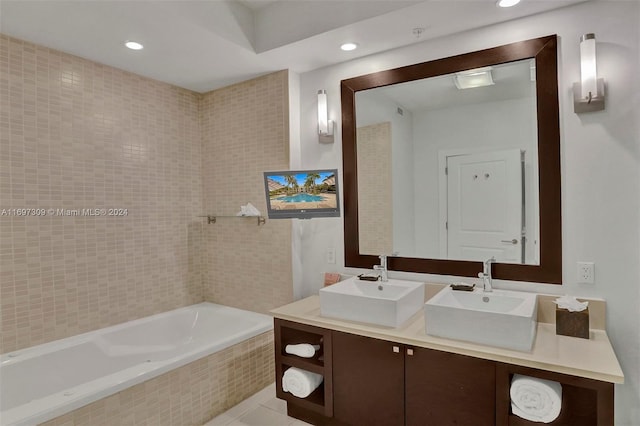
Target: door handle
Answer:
[[410, 352], [396, 349], [514, 241]]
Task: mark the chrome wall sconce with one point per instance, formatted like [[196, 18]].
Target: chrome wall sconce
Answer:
[[588, 94], [325, 126]]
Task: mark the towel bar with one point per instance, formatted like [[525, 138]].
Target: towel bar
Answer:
[[214, 218]]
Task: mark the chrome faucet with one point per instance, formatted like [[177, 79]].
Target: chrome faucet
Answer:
[[382, 267], [486, 275]]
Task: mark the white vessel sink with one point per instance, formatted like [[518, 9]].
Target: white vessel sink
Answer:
[[506, 319], [388, 303]]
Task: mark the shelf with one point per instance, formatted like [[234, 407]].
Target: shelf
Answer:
[[314, 402], [579, 407], [212, 218], [310, 364], [321, 399], [560, 421], [585, 402]]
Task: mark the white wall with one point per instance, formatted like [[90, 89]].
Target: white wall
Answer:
[[600, 165], [483, 126], [295, 159]]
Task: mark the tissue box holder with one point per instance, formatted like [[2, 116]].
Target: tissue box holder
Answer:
[[574, 324]]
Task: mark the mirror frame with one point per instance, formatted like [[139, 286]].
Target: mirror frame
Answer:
[[544, 51]]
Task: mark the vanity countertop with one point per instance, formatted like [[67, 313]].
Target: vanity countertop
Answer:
[[592, 358]]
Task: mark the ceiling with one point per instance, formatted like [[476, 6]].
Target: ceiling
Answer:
[[204, 45]]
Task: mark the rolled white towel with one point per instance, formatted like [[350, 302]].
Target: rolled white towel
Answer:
[[304, 350], [537, 400], [300, 382]]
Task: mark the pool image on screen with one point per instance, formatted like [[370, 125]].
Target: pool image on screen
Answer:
[[303, 194]]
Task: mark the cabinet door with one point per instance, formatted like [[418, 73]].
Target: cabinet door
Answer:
[[449, 389], [368, 381]]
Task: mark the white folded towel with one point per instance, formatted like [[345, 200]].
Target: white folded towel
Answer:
[[248, 210], [304, 350], [300, 382], [537, 400]]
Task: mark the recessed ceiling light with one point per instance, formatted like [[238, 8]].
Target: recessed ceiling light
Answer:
[[348, 46], [507, 3], [133, 45]]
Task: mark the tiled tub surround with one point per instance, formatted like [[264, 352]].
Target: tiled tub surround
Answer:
[[75, 134], [245, 131], [178, 367]]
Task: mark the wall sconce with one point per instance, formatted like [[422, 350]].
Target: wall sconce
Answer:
[[588, 94], [325, 126]]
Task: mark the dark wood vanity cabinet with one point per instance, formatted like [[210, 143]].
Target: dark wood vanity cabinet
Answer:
[[443, 388], [369, 381], [377, 382]]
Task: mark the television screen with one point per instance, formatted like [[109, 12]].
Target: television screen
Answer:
[[302, 194]]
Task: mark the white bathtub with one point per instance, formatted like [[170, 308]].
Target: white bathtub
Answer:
[[45, 381]]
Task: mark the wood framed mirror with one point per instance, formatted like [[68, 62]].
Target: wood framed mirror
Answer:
[[547, 265]]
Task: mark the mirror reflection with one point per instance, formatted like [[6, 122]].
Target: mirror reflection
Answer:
[[448, 166]]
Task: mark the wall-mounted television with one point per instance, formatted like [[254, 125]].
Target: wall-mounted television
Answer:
[[302, 194]]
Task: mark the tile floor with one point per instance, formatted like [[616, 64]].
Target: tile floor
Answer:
[[261, 409]]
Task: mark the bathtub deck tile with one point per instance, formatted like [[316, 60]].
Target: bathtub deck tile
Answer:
[[190, 394]]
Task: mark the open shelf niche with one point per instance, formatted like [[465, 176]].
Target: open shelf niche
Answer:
[[291, 333]]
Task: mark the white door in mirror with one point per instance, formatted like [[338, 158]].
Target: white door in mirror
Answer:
[[484, 206]]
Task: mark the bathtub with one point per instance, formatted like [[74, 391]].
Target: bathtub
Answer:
[[46, 381]]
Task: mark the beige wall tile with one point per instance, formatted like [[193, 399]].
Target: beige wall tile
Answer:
[[75, 134], [374, 189], [245, 132]]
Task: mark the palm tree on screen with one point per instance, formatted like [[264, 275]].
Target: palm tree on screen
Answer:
[[310, 182]]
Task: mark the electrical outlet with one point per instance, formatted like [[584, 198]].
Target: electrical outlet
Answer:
[[585, 273], [331, 255]]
